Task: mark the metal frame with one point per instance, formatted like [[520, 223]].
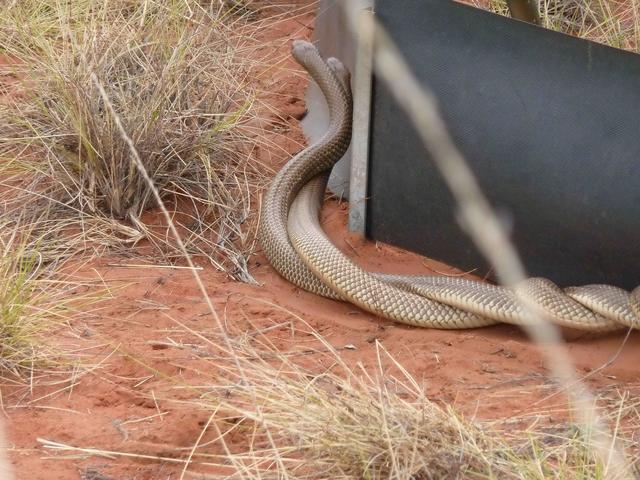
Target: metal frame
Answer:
[[362, 85]]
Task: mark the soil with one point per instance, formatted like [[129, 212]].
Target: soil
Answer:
[[146, 364]]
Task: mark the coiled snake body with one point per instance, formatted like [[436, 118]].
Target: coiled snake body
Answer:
[[296, 246]]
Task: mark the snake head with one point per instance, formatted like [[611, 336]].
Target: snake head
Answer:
[[303, 50], [307, 55], [340, 71]]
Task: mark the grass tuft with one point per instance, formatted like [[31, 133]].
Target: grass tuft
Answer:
[[377, 423], [34, 302], [177, 77], [360, 428]]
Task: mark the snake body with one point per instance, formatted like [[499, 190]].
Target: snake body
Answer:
[[333, 80], [297, 247]]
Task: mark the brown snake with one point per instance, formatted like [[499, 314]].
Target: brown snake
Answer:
[[296, 246]]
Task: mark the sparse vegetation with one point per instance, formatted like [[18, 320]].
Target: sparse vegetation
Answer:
[[354, 424], [178, 77], [365, 423]]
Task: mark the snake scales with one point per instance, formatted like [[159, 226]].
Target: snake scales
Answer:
[[296, 246]]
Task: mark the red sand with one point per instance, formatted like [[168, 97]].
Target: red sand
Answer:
[[131, 402]]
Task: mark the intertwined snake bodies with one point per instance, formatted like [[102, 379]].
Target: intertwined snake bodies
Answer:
[[296, 246]]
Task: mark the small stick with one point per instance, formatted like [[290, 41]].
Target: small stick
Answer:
[[142, 265]]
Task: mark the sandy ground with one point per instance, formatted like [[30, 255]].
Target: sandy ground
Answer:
[[147, 363]]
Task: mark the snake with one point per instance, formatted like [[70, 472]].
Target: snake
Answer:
[[296, 246]]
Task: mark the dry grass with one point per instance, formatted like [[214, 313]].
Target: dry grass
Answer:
[[36, 299], [348, 425], [178, 76], [340, 422], [354, 424], [614, 23]]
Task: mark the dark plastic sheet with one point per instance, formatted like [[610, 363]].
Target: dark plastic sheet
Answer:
[[550, 125]]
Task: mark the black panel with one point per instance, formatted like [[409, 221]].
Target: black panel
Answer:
[[549, 124]]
